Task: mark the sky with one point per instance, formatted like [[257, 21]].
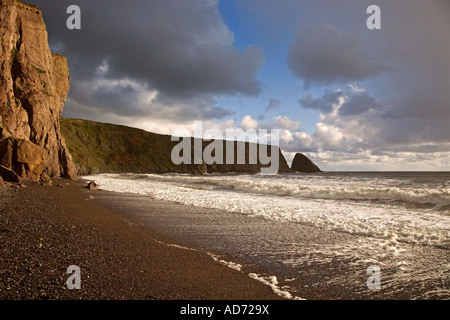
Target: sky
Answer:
[[349, 97]]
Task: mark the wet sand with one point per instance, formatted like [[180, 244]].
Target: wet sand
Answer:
[[45, 229]]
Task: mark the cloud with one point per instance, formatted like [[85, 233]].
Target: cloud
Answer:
[[273, 104], [169, 62], [160, 58], [359, 103], [324, 54], [108, 98], [395, 112], [330, 136], [324, 104], [179, 47], [284, 122], [248, 123], [362, 121], [296, 142]]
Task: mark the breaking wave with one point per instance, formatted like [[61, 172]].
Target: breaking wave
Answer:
[[372, 206]]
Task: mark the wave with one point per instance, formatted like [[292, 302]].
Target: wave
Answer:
[[325, 206], [315, 189], [438, 197]]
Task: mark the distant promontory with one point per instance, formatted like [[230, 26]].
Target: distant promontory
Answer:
[[302, 163], [108, 148]]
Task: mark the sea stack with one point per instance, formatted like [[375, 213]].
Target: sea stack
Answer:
[[33, 88], [302, 163]]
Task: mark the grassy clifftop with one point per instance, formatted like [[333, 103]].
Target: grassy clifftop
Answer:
[[100, 147]]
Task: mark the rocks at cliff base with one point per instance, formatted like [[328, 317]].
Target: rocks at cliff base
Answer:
[[9, 175], [45, 180], [30, 160], [33, 87], [92, 186], [302, 163], [22, 157]]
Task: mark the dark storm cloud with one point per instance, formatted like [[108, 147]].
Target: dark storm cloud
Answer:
[[419, 49], [324, 103], [360, 103], [418, 45], [323, 54], [116, 97], [181, 48]]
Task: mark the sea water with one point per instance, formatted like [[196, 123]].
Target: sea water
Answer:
[[399, 221]]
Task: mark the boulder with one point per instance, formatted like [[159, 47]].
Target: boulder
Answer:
[[92, 185], [302, 163], [45, 180], [29, 160]]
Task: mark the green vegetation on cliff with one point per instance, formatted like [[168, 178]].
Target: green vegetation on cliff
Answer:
[[100, 147]]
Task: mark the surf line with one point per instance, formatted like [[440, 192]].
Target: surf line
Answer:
[[272, 281]]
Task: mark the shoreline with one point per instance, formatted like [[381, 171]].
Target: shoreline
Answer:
[[308, 261], [135, 247], [45, 229]]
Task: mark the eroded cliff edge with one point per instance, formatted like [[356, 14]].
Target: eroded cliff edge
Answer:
[[33, 88]]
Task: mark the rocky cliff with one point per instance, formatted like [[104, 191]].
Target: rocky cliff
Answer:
[[33, 87], [101, 147], [302, 163]]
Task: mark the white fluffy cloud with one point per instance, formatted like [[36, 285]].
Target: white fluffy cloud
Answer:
[[284, 122], [329, 136], [354, 133], [249, 123]]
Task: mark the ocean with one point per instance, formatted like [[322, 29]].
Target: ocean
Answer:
[[316, 234]]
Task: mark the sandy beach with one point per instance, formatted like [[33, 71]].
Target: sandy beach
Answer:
[[45, 229]]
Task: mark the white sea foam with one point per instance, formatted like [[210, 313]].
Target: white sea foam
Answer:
[[176, 246], [272, 282], [384, 208], [229, 264], [313, 187]]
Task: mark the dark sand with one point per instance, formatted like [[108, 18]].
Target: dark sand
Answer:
[[44, 229]]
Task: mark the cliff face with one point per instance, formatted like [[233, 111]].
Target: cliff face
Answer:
[[302, 163], [33, 87], [100, 147]]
